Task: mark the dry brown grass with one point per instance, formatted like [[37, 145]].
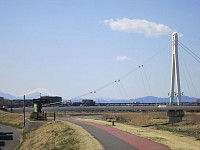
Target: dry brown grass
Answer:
[[57, 135], [51, 136], [191, 119], [11, 119], [189, 126], [87, 142], [174, 141], [136, 118]]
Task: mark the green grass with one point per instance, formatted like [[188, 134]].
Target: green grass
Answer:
[[19, 126]]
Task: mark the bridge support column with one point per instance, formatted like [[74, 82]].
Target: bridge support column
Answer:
[[175, 71], [175, 116]]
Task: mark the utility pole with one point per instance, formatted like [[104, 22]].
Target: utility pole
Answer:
[[24, 111]]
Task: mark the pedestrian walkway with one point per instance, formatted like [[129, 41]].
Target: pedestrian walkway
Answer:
[[112, 138]]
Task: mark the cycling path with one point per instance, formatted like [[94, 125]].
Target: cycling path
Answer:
[[112, 138]]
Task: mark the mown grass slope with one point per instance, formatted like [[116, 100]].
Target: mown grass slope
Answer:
[[11, 119], [57, 135]]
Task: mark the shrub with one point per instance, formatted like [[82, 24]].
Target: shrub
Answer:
[[33, 116]]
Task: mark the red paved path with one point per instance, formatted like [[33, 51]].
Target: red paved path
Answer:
[[138, 142]]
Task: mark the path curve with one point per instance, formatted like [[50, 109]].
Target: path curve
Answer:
[[112, 138]]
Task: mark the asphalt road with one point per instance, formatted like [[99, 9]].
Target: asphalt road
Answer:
[[108, 141], [114, 139], [10, 144]]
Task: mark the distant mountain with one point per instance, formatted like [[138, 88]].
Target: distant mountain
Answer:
[[152, 99], [147, 99], [7, 96], [30, 95], [36, 93]]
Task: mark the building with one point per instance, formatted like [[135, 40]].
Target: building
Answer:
[[48, 100], [198, 102], [88, 102]]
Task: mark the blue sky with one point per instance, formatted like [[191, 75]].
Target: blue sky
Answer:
[[74, 47]]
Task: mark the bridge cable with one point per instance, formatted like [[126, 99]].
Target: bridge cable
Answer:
[[94, 95], [123, 76], [119, 89], [189, 76], [154, 55], [123, 89], [145, 75], [196, 57], [182, 58], [189, 50], [98, 97], [143, 80], [105, 86], [145, 62], [80, 96]]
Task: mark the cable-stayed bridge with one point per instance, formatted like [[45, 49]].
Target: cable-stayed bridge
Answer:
[[147, 88], [174, 107]]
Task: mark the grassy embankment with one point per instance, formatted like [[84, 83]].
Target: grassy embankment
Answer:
[[154, 126], [54, 135], [11, 119], [57, 135]]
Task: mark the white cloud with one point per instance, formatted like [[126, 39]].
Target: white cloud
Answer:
[[147, 28], [122, 58]]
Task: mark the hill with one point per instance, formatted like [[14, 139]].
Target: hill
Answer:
[[36, 93]]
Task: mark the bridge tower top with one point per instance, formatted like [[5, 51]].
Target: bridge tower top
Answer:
[[175, 71]]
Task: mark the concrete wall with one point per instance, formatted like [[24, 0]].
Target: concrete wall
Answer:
[[32, 125]]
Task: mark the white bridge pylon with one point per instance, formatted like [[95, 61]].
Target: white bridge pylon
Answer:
[[175, 71]]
